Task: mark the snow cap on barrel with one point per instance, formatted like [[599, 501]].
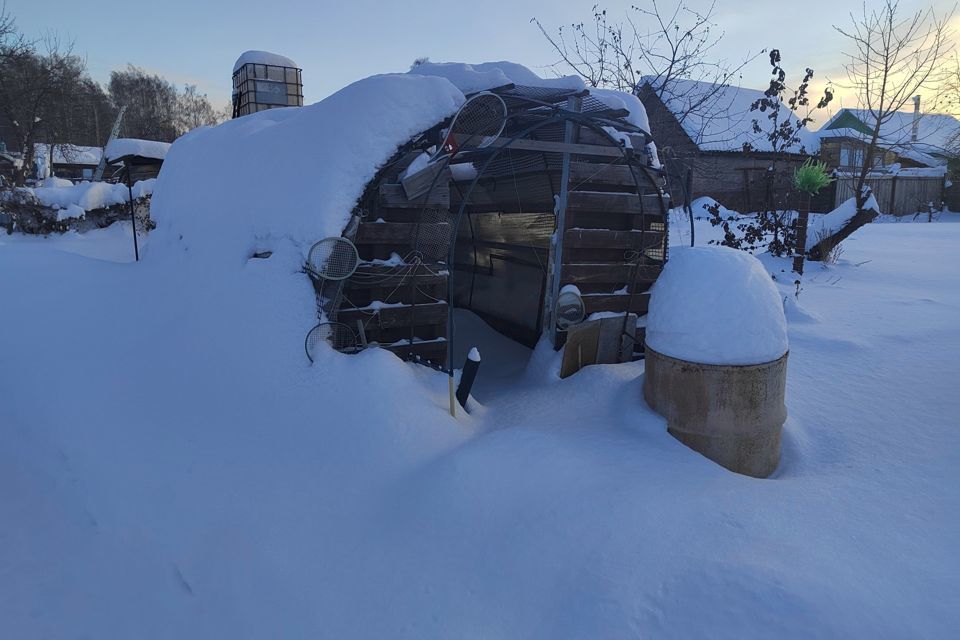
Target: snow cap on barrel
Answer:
[[716, 305]]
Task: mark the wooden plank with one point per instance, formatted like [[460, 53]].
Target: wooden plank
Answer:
[[580, 349], [545, 146], [606, 201], [388, 317], [615, 343], [614, 221], [607, 272], [639, 303], [606, 239], [604, 174], [393, 195], [434, 175], [370, 275], [531, 192], [397, 232]]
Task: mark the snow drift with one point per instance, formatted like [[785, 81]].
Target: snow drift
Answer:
[[289, 177]]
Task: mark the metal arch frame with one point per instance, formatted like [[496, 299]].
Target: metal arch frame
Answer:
[[559, 115]]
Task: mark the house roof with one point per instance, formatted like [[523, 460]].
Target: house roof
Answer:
[[68, 154], [917, 152], [718, 117], [129, 147], [936, 133]]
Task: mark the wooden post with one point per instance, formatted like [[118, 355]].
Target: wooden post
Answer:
[[803, 216]]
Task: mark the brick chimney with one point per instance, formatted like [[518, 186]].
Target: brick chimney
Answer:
[[916, 119]]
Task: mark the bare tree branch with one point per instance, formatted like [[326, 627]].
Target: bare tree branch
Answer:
[[891, 59]]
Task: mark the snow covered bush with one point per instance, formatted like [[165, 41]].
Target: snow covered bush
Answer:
[[773, 228]]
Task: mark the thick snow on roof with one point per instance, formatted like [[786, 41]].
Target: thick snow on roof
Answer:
[[67, 154], [286, 178], [724, 122], [716, 305], [263, 57], [133, 147], [936, 131], [917, 151], [471, 78]]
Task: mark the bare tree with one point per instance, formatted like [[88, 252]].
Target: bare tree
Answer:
[[156, 108], [654, 45], [951, 98], [892, 59], [37, 82], [194, 110]]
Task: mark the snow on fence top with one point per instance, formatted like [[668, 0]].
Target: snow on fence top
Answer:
[[133, 147], [716, 305], [291, 175], [263, 57]]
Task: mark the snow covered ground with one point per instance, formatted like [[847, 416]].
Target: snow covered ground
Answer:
[[172, 467]]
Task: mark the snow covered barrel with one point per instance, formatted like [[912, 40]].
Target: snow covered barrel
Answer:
[[716, 362]]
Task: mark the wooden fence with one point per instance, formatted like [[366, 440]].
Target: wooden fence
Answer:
[[897, 195]]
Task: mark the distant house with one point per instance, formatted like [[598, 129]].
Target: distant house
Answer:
[[706, 131], [909, 172], [910, 139], [68, 161]]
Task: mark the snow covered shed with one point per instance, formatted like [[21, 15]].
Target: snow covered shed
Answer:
[[143, 158], [568, 193]]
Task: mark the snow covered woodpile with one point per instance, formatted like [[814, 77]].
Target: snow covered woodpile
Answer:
[[497, 205], [717, 357], [58, 204]]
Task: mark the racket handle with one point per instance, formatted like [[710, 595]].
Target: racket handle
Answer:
[[453, 401]]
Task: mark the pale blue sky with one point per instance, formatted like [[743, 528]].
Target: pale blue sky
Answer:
[[338, 42]]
